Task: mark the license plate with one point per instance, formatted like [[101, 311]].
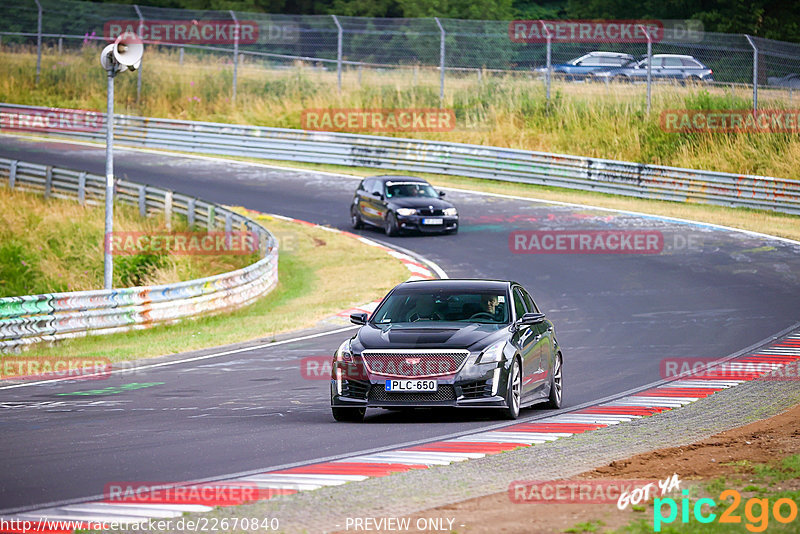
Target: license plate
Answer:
[[411, 385], [432, 221]]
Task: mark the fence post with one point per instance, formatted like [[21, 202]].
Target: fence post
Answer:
[[235, 53], [143, 201], [649, 63], [48, 182], [441, 60], [190, 212], [547, 74], [139, 70], [338, 52], [38, 42], [211, 218], [12, 175], [60, 45], [82, 188], [755, 73], [168, 210], [180, 56]]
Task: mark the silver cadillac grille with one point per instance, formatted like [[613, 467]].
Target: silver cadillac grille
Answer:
[[414, 363]]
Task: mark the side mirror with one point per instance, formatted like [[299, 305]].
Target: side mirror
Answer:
[[441, 193], [358, 318], [532, 318]]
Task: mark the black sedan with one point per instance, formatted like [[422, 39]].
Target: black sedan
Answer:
[[464, 343], [402, 203]]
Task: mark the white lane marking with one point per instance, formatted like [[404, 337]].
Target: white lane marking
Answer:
[[193, 359], [589, 419], [643, 401], [297, 486], [484, 438], [700, 384], [321, 480], [57, 514], [171, 506], [516, 435]]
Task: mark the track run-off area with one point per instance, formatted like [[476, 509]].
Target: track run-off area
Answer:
[[706, 292]]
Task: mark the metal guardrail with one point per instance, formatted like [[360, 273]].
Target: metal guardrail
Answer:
[[35, 318], [504, 164]]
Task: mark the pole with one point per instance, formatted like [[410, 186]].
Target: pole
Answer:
[[547, 73], [441, 61], [235, 54], [38, 42], [649, 64], [755, 73], [139, 73], [338, 52], [108, 260]]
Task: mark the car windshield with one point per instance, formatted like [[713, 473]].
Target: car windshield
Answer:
[[408, 306], [409, 189]]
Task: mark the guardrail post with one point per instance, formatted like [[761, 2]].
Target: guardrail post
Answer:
[[338, 52], [38, 42], [60, 45], [12, 175], [190, 211], [82, 188], [168, 210], [48, 182], [442, 36], [180, 56], [211, 218], [755, 73], [143, 201], [228, 229], [139, 70], [235, 53]]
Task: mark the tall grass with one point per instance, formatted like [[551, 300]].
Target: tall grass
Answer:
[[57, 245], [504, 110]]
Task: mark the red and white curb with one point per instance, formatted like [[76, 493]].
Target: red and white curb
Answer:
[[645, 403]]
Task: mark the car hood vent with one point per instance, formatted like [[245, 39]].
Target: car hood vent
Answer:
[[420, 335]]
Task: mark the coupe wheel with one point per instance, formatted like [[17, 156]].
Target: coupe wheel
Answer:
[[353, 415], [514, 391], [556, 385], [391, 225], [355, 219]]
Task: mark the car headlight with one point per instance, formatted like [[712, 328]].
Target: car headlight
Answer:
[[493, 353], [450, 212], [343, 353], [405, 212]]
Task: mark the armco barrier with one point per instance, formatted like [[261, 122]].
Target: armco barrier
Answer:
[[573, 172], [35, 318]]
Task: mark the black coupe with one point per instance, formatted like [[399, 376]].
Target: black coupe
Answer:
[[464, 343], [402, 203]]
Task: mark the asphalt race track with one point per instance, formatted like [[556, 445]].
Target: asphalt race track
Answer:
[[708, 293]]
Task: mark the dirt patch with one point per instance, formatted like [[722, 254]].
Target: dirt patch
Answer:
[[725, 454]]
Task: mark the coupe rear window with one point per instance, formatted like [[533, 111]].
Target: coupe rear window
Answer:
[[486, 307]]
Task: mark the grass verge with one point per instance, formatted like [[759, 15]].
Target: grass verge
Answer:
[[56, 245], [320, 273]]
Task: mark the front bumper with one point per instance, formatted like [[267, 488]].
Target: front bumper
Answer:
[[472, 386], [415, 223]]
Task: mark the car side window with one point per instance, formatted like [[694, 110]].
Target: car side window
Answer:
[[519, 303], [366, 185], [377, 187], [532, 307], [690, 63], [672, 62]]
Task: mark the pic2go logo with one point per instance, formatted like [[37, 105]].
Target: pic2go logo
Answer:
[[756, 511]]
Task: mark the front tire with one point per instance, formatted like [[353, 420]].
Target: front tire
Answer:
[[556, 384], [513, 391], [391, 225], [349, 415], [355, 219]]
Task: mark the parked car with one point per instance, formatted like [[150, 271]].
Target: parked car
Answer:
[[790, 81], [580, 67], [402, 203], [665, 67], [454, 343]]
